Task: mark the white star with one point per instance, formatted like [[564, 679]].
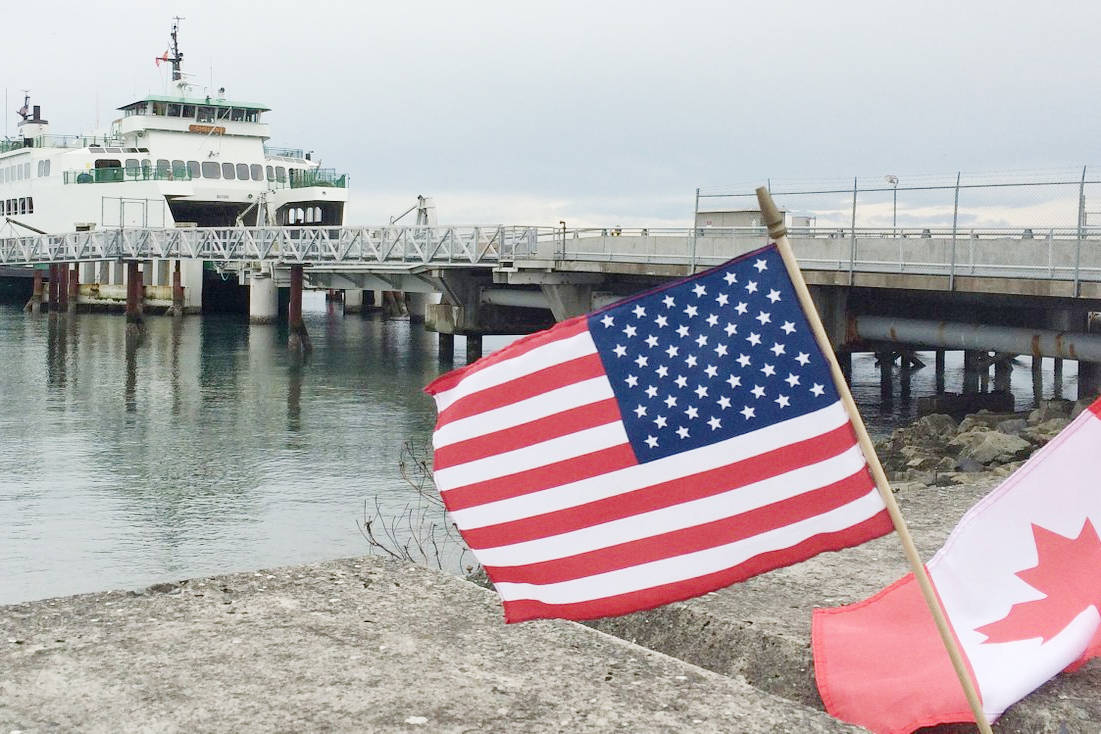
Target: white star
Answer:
[[630, 331], [660, 421], [751, 286], [661, 321], [672, 351], [639, 311], [730, 278], [651, 442], [792, 380], [803, 358], [668, 301], [641, 361], [754, 339], [631, 381], [741, 307], [670, 402], [620, 350], [651, 392], [692, 412], [651, 341], [743, 360], [817, 390], [774, 295], [764, 318], [681, 381], [777, 348], [724, 402], [682, 331], [691, 360], [730, 329], [761, 266], [701, 391], [607, 320], [758, 392], [748, 412], [640, 411], [662, 371], [788, 327], [712, 320], [701, 340], [690, 311], [699, 290], [711, 370], [734, 381], [769, 370], [720, 350], [682, 432], [715, 423], [723, 299], [782, 401]]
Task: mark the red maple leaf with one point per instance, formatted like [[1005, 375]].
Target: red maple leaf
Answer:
[[1068, 571]]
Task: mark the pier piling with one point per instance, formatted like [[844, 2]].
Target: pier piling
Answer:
[[34, 305], [52, 292], [299, 338], [74, 287], [177, 308], [939, 368], [473, 347], [447, 348], [63, 288], [135, 291]]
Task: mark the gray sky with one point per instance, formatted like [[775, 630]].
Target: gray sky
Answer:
[[595, 112]]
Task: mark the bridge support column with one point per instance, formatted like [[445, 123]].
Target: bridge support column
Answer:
[[972, 371], [177, 308], [1003, 372], [74, 287], [1089, 373], [416, 303], [939, 368], [567, 300], [135, 295], [353, 301], [34, 305], [299, 338], [845, 360], [63, 288], [1037, 378], [51, 292], [473, 347], [447, 348], [886, 363], [263, 300]]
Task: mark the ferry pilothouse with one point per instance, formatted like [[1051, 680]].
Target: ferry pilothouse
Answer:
[[175, 160]]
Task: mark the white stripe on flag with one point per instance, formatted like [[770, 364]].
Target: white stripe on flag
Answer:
[[546, 355], [666, 469], [692, 565], [677, 517], [523, 411], [531, 457]]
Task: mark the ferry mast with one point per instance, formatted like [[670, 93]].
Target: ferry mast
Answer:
[[177, 57]]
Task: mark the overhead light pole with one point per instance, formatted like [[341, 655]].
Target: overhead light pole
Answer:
[[893, 180]]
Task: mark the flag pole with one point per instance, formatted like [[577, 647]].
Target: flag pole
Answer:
[[778, 232]]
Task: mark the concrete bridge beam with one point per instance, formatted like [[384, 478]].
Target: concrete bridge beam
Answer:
[[567, 301], [353, 301]]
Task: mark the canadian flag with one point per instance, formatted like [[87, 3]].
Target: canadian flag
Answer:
[[1020, 581], [164, 57]]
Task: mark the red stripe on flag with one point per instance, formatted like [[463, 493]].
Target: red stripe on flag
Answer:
[[691, 539], [521, 388], [540, 478], [665, 494], [1095, 407], [564, 330], [517, 437], [524, 609]]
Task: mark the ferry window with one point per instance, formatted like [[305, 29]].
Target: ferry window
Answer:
[[189, 111], [252, 115], [27, 169], [162, 168], [237, 114], [173, 110], [40, 169], [271, 173], [227, 171], [30, 205], [132, 167], [108, 163], [45, 168], [206, 114], [211, 170], [179, 169], [280, 173], [22, 205], [309, 215], [158, 108], [242, 171], [146, 167], [193, 169], [112, 150], [257, 172], [223, 113]]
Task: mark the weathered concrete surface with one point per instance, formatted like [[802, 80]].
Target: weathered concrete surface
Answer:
[[355, 645], [760, 629]]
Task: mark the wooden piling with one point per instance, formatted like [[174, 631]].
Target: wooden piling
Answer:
[[299, 338], [473, 347], [62, 288], [135, 292], [447, 348], [52, 292], [34, 305], [74, 287], [939, 356], [177, 308]]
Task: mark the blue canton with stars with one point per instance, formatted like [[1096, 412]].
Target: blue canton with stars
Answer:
[[711, 357]]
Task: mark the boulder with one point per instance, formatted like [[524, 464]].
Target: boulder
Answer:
[[990, 447], [984, 418], [1048, 409], [1081, 404], [1043, 432], [1012, 427]]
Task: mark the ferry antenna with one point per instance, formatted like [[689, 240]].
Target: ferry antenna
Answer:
[[176, 57]]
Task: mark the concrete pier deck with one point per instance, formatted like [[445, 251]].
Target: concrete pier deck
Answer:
[[358, 645]]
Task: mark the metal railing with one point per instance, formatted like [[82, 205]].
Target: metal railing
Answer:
[[317, 177], [123, 175], [77, 141], [273, 150], [6, 145]]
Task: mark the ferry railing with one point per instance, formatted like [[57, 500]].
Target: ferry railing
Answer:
[[273, 150], [52, 140], [8, 145], [317, 177], [123, 175]]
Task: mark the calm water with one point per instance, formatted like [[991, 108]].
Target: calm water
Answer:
[[210, 449]]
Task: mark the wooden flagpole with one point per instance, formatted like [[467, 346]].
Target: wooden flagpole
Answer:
[[778, 232]]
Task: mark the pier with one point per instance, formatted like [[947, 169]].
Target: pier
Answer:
[[992, 294]]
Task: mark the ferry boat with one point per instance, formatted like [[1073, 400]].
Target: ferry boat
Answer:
[[178, 159]]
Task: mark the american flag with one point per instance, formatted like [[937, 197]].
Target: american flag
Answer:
[[655, 450]]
